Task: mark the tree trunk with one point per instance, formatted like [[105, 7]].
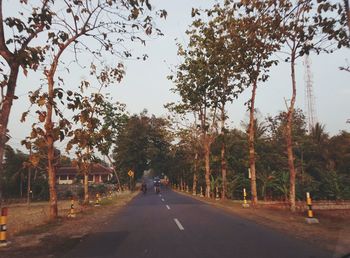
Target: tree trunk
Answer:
[[29, 185], [251, 134], [207, 164], [86, 188], [223, 156], [50, 150], [115, 172], [292, 171], [87, 172], [194, 185], [21, 185], [4, 117], [347, 10]]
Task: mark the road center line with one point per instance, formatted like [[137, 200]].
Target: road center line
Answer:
[[167, 206], [179, 224]]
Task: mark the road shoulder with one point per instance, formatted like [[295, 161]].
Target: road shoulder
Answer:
[[332, 233], [53, 239]]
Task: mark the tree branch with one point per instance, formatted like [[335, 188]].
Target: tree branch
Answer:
[[4, 51]]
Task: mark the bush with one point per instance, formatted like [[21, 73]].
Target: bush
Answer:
[[40, 189], [332, 186], [67, 194]]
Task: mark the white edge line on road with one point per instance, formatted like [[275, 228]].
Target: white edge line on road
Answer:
[[179, 224], [167, 207]]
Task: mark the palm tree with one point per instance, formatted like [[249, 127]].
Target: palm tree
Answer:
[[318, 133]]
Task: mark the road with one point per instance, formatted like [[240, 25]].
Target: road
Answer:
[[173, 225]]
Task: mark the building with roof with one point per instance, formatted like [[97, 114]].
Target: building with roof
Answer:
[[69, 175]]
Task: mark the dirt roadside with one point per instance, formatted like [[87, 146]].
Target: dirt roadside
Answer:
[[332, 233], [53, 239]]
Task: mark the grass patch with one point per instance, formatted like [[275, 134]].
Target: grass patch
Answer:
[[41, 228]]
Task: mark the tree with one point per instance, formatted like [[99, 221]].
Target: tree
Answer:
[[223, 70], [142, 143], [307, 26], [15, 173], [91, 133], [260, 32], [17, 53], [114, 120], [80, 26], [198, 85], [187, 153]]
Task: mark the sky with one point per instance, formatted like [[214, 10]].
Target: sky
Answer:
[[145, 85]]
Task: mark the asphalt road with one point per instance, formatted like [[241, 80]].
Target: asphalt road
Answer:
[[172, 225]]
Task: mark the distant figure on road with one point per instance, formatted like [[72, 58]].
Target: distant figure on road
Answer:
[[144, 187], [157, 187]]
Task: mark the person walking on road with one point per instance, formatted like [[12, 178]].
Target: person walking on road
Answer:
[[144, 187]]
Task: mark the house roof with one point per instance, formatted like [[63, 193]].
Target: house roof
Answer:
[[97, 169]]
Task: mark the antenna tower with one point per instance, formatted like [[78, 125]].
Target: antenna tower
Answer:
[[309, 96]]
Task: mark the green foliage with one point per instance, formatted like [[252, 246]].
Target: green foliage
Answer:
[[40, 189], [16, 171], [143, 143], [99, 188], [68, 194], [320, 162], [333, 185]]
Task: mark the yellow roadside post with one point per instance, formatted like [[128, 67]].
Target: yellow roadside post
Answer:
[[217, 197], [310, 215], [3, 227], [245, 203], [71, 213], [97, 201], [201, 194]]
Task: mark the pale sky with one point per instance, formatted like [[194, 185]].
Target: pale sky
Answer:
[[146, 85]]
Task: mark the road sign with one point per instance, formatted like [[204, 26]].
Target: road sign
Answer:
[[131, 173]]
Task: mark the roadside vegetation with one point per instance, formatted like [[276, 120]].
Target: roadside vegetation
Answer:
[[232, 48]]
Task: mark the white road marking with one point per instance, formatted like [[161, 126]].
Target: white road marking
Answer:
[[163, 200], [167, 206], [179, 224]]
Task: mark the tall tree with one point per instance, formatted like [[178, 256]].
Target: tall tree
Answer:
[[114, 119], [253, 30], [17, 52], [307, 26], [193, 83], [91, 133], [223, 62], [142, 143], [89, 27]]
